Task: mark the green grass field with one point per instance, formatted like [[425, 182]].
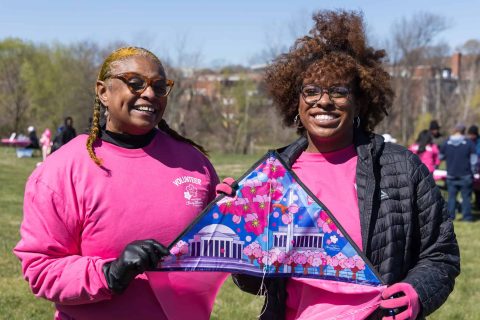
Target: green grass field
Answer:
[[17, 302]]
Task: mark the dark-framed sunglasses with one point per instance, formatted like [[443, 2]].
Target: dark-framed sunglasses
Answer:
[[312, 93], [137, 83]]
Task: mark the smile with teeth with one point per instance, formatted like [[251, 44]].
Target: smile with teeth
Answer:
[[325, 117], [145, 109]]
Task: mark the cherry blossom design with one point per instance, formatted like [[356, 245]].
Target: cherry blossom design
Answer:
[[261, 200], [277, 257], [179, 249], [304, 259], [273, 168], [262, 259], [287, 212], [254, 223], [333, 239], [291, 261], [252, 251], [226, 205], [327, 224], [236, 219], [357, 265], [337, 263], [276, 189], [287, 218], [242, 206], [250, 188], [319, 260]]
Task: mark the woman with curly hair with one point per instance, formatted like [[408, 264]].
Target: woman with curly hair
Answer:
[[98, 212], [333, 88]]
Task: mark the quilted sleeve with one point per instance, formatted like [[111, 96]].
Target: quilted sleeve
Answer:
[[433, 276]]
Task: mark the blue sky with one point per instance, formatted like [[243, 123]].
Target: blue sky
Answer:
[[220, 31]]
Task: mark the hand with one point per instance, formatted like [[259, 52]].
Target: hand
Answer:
[[228, 187], [137, 257], [401, 296]]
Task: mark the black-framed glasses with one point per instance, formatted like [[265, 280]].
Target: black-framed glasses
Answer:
[[312, 93], [137, 83]]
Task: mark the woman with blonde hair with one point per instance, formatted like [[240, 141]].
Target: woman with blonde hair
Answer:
[[99, 212]]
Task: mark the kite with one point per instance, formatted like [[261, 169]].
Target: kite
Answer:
[[273, 226]]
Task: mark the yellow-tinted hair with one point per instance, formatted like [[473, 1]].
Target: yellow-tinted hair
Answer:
[[105, 71]]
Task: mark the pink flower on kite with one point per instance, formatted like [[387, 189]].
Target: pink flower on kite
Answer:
[[293, 208], [326, 223], [254, 224], [261, 204], [236, 219], [242, 206], [287, 218], [274, 169], [262, 199], [179, 249], [251, 188], [226, 205], [276, 189]]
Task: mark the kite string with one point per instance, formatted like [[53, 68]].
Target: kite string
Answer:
[[263, 291], [263, 288]]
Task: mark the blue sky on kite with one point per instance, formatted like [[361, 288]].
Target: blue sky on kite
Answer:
[[222, 32], [273, 226]]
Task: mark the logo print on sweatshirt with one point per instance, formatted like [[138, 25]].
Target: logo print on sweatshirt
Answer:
[[190, 191], [190, 195]]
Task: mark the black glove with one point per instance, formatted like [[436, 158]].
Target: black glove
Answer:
[[137, 257]]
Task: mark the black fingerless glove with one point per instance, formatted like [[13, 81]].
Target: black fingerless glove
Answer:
[[137, 257]]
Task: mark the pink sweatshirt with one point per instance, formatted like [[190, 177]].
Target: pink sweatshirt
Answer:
[[331, 177], [78, 216], [430, 157]]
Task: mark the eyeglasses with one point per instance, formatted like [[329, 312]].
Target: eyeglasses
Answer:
[[138, 83], [312, 94]]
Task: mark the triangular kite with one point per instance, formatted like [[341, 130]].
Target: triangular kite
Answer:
[[273, 226]]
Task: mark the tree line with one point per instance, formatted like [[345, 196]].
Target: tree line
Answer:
[[41, 84]]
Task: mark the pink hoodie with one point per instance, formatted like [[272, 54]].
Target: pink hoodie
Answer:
[[430, 157], [78, 216]]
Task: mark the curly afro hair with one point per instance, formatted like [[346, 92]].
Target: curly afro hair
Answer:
[[336, 46]]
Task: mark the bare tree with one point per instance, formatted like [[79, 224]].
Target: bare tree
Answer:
[[469, 84], [410, 48], [13, 101]]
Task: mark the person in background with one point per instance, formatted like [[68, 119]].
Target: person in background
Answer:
[[100, 211], [472, 134], [461, 158], [32, 136], [56, 143], [46, 143], [332, 86], [426, 150], [68, 131], [437, 136]]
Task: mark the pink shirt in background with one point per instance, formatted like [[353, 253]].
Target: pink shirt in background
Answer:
[[430, 157], [78, 216], [331, 177]]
